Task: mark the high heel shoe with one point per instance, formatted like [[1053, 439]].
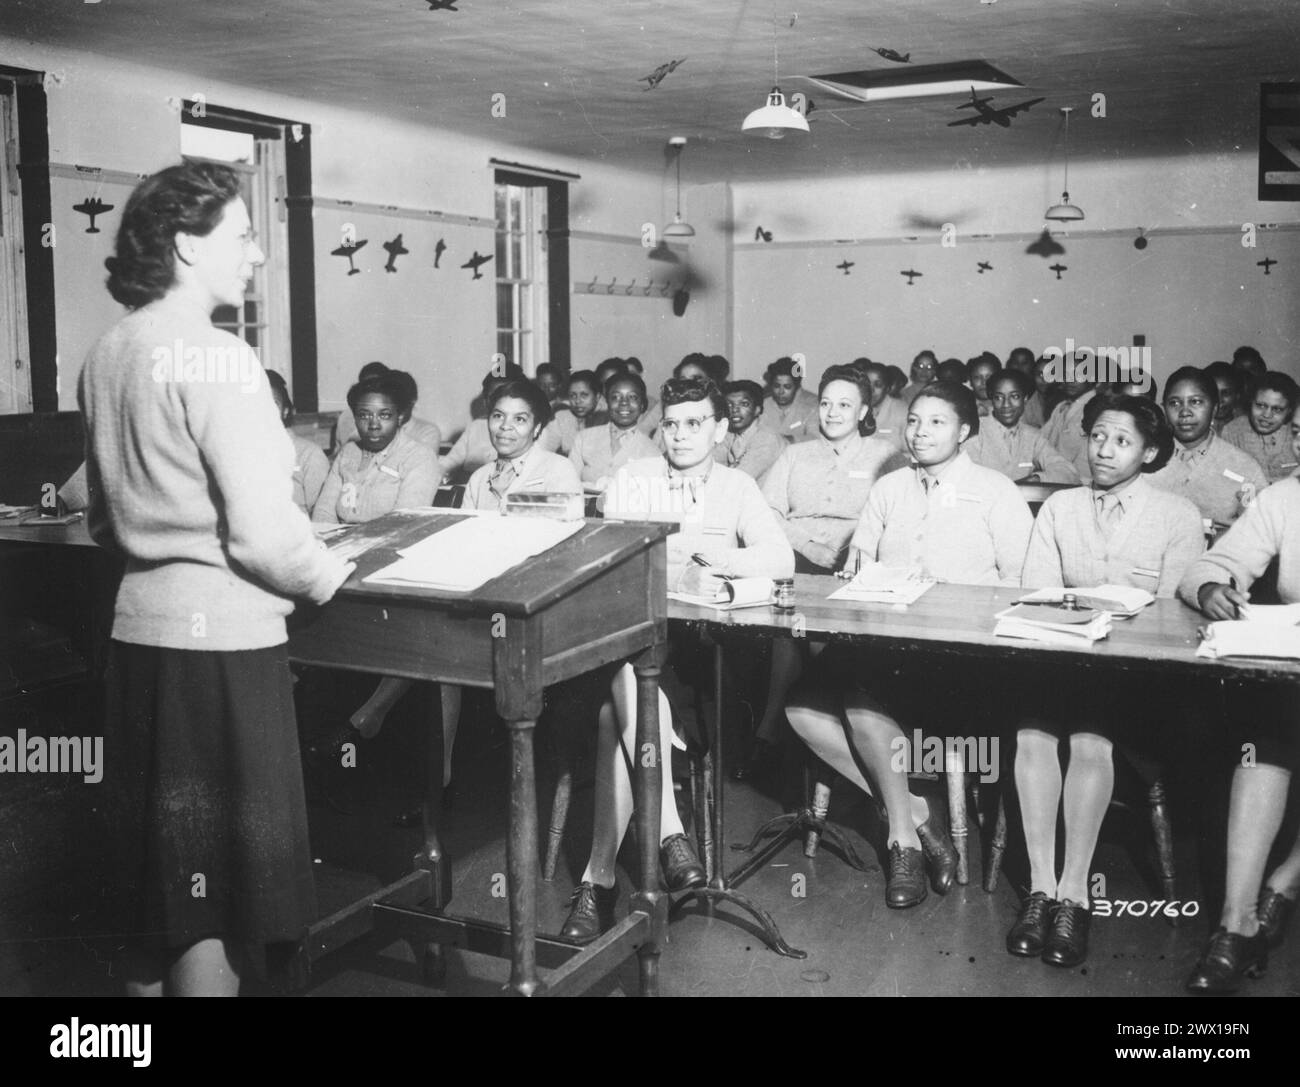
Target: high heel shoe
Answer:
[[1274, 911], [1228, 957]]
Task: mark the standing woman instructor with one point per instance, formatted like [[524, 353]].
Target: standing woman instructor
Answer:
[[191, 481]]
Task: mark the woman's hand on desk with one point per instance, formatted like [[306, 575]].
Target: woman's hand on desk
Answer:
[[699, 581], [822, 554], [1219, 601]]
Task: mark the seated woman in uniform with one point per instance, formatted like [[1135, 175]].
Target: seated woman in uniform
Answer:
[[1255, 910], [1262, 431], [1218, 477], [889, 412], [598, 453], [948, 519], [1007, 444], [1119, 531], [579, 412], [817, 490], [422, 430], [791, 410], [474, 448]]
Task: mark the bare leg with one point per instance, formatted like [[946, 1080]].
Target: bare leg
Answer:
[[614, 783], [1286, 876], [1255, 810], [144, 973], [204, 969], [878, 740], [1089, 785], [787, 666], [369, 719], [1038, 781]]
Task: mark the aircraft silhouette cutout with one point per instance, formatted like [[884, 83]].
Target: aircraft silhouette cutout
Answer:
[[438, 251], [395, 249], [911, 275], [889, 54], [1045, 245], [761, 235], [1058, 268], [657, 76], [988, 115], [347, 251], [476, 262], [92, 207], [985, 266], [1266, 264], [846, 265], [443, 5]]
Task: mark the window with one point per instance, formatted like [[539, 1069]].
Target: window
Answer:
[[263, 320], [523, 335], [15, 374]]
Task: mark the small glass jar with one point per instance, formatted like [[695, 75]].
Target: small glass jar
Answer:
[[783, 593]]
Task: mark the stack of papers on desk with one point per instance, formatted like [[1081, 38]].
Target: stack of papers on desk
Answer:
[[740, 592], [1267, 631], [876, 583], [471, 552], [1121, 601], [1055, 626]]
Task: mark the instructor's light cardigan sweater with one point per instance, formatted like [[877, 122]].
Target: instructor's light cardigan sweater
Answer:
[[191, 479]]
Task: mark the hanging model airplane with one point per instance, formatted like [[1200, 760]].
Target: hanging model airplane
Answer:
[[347, 251], [395, 249], [911, 275], [846, 265], [657, 76], [988, 115], [985, 266], [92, 207], [1266, 264], [761, 235], [438, 251], [443, 5], [475, 263], [1058, 269], [889, 54]]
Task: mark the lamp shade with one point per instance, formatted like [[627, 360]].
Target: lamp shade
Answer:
[[1064, 212], [679, 228], [775, 119]]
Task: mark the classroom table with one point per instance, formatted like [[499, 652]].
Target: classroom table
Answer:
[[955, 620], [596, 598]]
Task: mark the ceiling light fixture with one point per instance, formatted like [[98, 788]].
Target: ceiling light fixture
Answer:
[[678, 228], [1065, 212], [774, 119]]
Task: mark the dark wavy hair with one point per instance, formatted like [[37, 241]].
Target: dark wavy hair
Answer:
[[584, 377], [856, 377], [691, 390], [529, 392], [751, 389], [185, 199], [397, 387], [628, 377], [1148, 418], [1022, 381], [783, 367], [1217, 370], [1277, 382], [959, 396]]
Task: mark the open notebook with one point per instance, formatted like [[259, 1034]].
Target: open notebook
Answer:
[[738, 592], [469, 553], [877, 583], [1121, 601]]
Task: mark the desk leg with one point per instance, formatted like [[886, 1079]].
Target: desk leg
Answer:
[[521, 859], [956, 776], [647, 782], [431, 957]]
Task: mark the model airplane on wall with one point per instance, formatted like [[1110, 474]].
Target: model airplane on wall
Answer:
[[985, 266], [657, 76], [845, 265], [475, 263], [911, 275], [347, 251], [395, 249], [1266, 264], [988, 115], [443, 5], [92, 207], [438, 251], [1058, 268], [890, 54]]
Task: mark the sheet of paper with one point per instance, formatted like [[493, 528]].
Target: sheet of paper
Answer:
[[880, 584], [472, 552], [1122, 600]]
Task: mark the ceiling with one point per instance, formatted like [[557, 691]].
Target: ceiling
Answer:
[[1180, 76]]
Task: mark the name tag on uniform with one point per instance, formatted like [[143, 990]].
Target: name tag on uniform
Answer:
[[1290, 464], [1025, 464], [532, 482], [297, 469], [884, 430], [862, 475], [390, 471], [799, 423], [1145, 573], [714, 531], [968, 497], [1234, 476]]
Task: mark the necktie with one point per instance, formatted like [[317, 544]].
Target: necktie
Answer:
[[502, 476], [928, 482], [1110, 513], [733, 451], [1187, 456]]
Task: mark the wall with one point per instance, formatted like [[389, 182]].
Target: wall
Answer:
[[1195, 292], [439, 324]]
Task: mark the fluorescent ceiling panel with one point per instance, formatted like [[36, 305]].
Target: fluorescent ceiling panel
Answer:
[[914, 81]]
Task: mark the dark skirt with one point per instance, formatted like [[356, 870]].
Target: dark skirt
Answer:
[[208, 819]]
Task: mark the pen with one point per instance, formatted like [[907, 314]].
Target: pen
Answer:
[[700, 560], [1236, 608]]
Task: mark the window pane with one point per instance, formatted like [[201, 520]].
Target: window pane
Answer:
[[503, 271], [517, 255], [225, 317], [505, 306], [516, 207], [506, 345], [501, 208]]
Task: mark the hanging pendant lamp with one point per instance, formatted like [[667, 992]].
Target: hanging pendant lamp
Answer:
[[1065, 212], [679, 227], [774, 119]]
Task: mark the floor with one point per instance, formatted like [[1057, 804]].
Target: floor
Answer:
[[950, 946]]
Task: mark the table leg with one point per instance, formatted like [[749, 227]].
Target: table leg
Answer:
[[956, 775], [647, 783], [521, 859]]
